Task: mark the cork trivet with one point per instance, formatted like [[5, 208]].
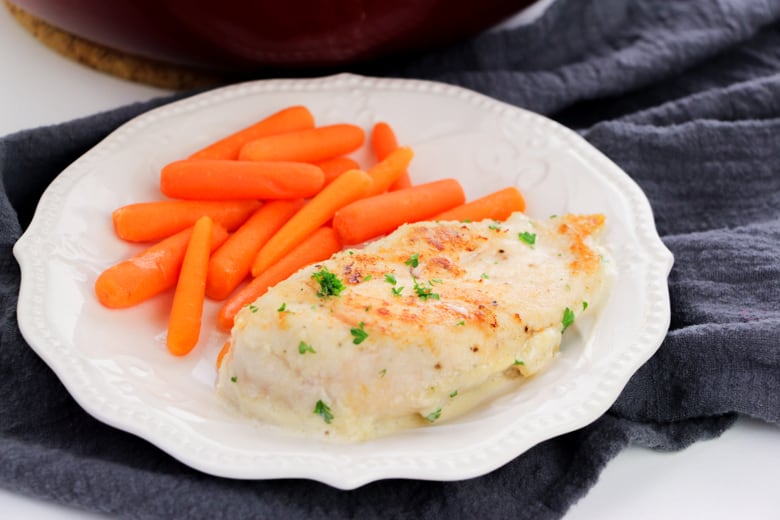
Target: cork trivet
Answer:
[[117, 63]]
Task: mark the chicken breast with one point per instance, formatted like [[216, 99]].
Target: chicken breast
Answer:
[[406, 330]]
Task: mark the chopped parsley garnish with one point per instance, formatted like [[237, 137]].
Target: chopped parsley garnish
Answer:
[[304, 347], [528, 238], [414, 260], [519, 362], [397, 291], [233, 379], [495, 226], [282, 307], [466, 221], [584, 305], [460, 323], [323, 410], [382, 372], [453, 393], [425, 293], [568, 318], [435, 280], [434, 415], [253, 307], [359, 334], [330, 285], [367, 277], [389, 278], [484, 276]]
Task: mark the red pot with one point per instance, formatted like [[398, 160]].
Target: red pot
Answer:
[[242, 35]]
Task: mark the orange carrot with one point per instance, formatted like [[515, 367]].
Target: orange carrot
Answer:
[[388, 170], [224, 350], [233, 180], [150, 272], [497, 206], [313, 145], [374, 216], [187, 308], [347, 187], [147, 221], [332, 168], [287, 120], [317, 247], [231, 263], [383, 142]]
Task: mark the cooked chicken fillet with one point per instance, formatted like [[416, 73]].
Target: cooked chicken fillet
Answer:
[[428, 315]]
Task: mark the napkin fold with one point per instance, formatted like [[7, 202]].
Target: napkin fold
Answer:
[[684, 96]]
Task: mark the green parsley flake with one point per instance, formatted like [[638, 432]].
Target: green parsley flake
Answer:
[[528, 238], [330, 285], [414, 260], [389, 278], [282, 307], [233, 379], [367, 277], [519, 362], [584, 305], [382, 372], [495, 226], [425, 293], [397, 291], [568, 318], [454, 393], [359, 334], [434, 415], [304, 347], [435, 280], [484, 276], [253, 308], [323, 410], [460, 323]]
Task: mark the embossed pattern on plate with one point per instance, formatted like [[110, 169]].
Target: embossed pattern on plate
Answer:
[[115, 364]]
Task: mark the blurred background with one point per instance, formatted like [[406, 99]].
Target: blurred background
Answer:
[[184, 44]]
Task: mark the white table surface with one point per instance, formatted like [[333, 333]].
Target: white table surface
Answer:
[[734, 476]]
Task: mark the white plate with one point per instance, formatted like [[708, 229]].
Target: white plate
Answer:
[[115, 363]]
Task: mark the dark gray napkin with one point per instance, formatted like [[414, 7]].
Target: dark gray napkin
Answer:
[[684, 95]]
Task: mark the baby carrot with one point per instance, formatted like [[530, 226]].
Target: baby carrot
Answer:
[[347, 187], [388, 170], [287, 120], [233, 180], [150, 272], [332, 168], [497, 206], [383, 141], [317, 247], [231, 263], [374, 216], [148, 221], [187, 308], [224, 350], [313, 145]]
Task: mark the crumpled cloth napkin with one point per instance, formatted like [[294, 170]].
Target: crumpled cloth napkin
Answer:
[[684, 95]]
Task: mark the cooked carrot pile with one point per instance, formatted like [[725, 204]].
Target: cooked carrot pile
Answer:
[[254, 207]]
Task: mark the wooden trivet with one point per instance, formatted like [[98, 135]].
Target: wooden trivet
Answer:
[[111, 61]]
